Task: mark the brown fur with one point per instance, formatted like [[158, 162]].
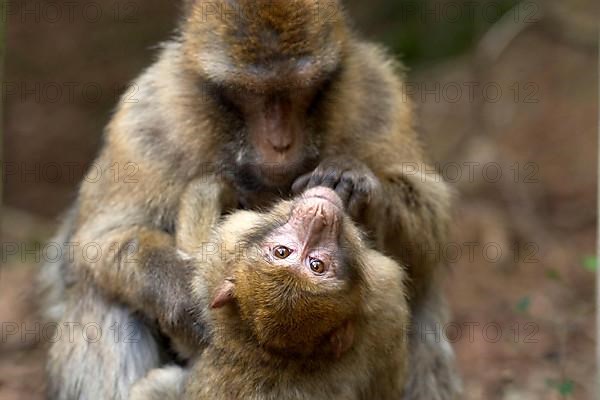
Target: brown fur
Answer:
[[268, 345], [178, 130], [271, 36]]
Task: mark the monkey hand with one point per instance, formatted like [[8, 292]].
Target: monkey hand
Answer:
[[184, 325], [351, 179], [178, 314]]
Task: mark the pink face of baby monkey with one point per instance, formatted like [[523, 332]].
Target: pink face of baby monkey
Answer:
[[309, 241]]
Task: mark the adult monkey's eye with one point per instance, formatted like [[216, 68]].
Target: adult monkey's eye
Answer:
[[281, 252], [317, 266]]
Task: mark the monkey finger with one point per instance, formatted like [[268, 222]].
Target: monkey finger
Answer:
[[344, 189], [328, 178], [300, 184], [356, 206], [331, 179], [359, 200], [314, 180]]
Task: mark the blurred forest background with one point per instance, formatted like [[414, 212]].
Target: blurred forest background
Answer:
[[507, 96]]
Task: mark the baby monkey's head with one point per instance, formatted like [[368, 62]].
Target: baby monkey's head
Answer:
[[301, 291]]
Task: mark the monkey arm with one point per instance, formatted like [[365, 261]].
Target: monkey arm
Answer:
[[125, 243], [415, 214], [412, 220], [138, 265], [134, 261], [200, 209]]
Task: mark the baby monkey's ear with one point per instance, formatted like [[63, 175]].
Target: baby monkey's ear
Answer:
[[224, 294], [342, 339]]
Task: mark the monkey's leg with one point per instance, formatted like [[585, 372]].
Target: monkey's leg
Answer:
[[161, 384], [432, 370], [419, 229], [100, 350]]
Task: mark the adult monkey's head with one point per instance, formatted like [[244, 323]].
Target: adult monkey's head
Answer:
[[265, 65]]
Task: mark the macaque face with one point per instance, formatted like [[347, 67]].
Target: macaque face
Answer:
[[278, 136], [305, 284], [308, 243], [268, 63]]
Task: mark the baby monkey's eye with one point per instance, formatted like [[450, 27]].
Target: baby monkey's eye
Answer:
[[282, 252], [317, 266]]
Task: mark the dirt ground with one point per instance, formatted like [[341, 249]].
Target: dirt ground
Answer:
[[521, 258]]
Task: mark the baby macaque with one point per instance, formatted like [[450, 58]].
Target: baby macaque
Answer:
[[297, 306]]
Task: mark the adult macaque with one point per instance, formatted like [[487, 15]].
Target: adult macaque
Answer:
[[273, 97], [296, 306]]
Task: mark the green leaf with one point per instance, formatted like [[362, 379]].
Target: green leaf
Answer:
[[566, 387], [591, 263], [523, 304]]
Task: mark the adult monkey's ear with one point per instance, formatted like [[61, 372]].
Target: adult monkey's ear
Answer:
[[224, 294]]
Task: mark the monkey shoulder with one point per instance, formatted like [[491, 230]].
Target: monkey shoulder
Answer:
[[383, 270], [163, 117], [386, 325], [375, 118], [386, 290]]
